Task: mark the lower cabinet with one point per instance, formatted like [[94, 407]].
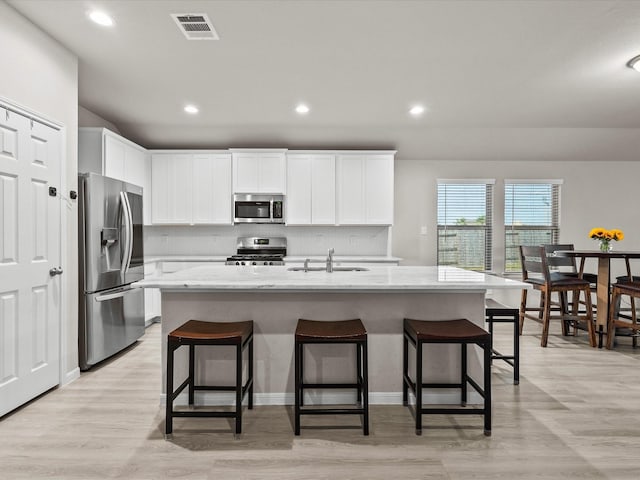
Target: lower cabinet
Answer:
[[152, 303]]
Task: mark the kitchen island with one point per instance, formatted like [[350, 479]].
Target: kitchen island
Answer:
[[275, 298]]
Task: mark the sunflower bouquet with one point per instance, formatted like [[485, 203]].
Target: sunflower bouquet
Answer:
[[605, 237]]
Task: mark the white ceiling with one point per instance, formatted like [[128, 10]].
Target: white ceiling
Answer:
[[512, 80]]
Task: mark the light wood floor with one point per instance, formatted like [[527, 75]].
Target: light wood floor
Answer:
[[575, 414]]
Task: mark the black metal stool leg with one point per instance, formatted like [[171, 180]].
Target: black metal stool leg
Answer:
[[463, 374], [238, 389], [405, 369], [169, 393], [359, 373], [418, 388], [297, 372], [487, 389], [365, 387], [250, 373], [516, 351], [192, 375]]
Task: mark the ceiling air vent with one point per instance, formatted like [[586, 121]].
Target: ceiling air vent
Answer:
[[195, 26]]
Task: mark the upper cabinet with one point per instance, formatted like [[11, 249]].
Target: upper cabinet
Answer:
[[262, 171], [191, 188], [107, 153], [311, 189], [365, 188]]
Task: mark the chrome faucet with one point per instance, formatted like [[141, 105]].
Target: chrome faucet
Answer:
[[306, 265], [330, 261]]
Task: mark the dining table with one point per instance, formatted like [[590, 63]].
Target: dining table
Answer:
[[603, 285]]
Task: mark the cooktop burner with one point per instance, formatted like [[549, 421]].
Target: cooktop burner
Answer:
[[255, 260], [259, 251]]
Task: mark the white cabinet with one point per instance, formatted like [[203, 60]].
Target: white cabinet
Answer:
[[191, 188], [107, 153], [259, 172], [365, 189], [311, 189], [212, 188]]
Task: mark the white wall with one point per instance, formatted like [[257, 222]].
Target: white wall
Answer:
[[86, 118], [41, 75], [594, 194], [301, 241]]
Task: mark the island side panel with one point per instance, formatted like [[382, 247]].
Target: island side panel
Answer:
[[275, 316]]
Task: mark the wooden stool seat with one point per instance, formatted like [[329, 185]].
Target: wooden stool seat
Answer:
[[462, 332], [217, 333], [200, 333], [329, 332], [445, 331]]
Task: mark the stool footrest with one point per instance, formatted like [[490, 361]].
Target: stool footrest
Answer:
[[441, 385], [330, 385], [459, 411], [218, 414], [331, 411], [219, 388]]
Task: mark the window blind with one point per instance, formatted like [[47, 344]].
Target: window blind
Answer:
[[531, 217], [464, 223]]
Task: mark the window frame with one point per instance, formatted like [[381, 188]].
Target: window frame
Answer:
[[488, 255], [553, 228]]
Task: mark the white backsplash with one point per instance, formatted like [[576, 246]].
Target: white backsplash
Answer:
[[301, 241]]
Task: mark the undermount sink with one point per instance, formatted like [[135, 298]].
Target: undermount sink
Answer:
[[323, 269]]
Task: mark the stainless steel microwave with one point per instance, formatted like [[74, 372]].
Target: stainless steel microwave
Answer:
[[258, 208]]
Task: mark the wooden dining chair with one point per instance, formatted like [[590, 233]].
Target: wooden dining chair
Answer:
[[566, 265], [536, 272], [616, 320], [628, 284]]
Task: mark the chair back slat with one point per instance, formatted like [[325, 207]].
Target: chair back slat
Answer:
[[534, 261], [560, 264]]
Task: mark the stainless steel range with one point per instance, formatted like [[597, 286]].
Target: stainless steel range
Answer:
[[259, 251]]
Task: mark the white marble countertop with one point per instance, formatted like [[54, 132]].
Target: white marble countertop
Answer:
[[343, 258], [292, 258], [376, 278]]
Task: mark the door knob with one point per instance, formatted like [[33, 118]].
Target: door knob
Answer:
[[55, 271]]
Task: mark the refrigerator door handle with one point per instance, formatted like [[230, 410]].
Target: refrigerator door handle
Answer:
[[112, 295], [128, 234]]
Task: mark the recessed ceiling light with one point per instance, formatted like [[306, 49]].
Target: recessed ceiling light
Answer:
[[192, 109], [416, 110], [302, 109], [634, 63], [101, 18]]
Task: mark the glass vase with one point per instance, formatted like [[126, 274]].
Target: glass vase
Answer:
[[605, 245]]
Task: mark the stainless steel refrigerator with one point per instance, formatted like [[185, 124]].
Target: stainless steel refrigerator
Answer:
[[111, 314]]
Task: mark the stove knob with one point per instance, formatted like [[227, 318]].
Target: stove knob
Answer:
[[237, 263], [253, 263], [265, 263], [270, 263], [241, 263]]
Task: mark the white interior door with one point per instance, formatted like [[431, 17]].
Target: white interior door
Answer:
[[29, 249]]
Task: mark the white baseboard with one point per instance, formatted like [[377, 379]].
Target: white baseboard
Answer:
[[70, 377], [339, 398]]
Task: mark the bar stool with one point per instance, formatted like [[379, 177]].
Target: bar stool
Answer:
[[196, 332], [329, 332], [462, 332], [495, 312]]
